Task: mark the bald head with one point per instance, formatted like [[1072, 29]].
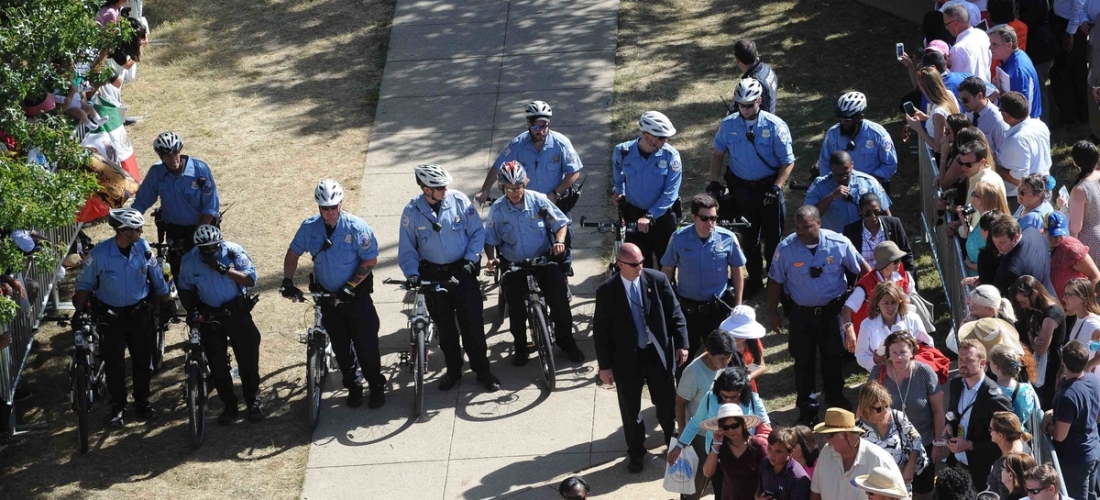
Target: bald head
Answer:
[[840, 158], [630, 261], [630, 252]]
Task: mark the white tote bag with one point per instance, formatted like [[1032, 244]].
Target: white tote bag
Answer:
[[680, 476]]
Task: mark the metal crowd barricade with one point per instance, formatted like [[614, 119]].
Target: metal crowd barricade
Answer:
[[1042, 449], [947, 252], [24, 327]]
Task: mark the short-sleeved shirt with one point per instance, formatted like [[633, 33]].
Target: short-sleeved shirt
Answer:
[[914, 398], [119, 279], [702, 265], [1036, 217], [336, 256], [757, 150], [545, 167], [793, 260], [523, 232], [1083, 331], [872, 150], [1067, 254], [184, 198], [971, 53], [695, 384], [844, 211], [1077, 403], [650, 183], [832, 482], [215, 289], [792, 483], [1023, 79], [1026, 150], [453, 234], [740, 474]]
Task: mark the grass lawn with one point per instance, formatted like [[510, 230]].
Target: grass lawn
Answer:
[[274, 95]]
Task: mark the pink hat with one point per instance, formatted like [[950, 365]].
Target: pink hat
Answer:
[[938, 46]]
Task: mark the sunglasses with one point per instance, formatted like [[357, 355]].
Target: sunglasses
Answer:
[[872, 213], [708, 218], [536, 126], [1035, 491], [746, 106], [329, 209], [658, 139], [969, 164], [878, 409], [631, 264], [732, 427], [512, 189], [965, 100]]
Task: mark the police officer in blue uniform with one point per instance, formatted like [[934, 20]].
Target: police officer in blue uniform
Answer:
[[836, 194], [345, 253], [704, 261], [646, 176], [809, 269], [525, 225], [761, 159], [187, 192], [441, 238], [869, 144], [124, 276], [748, 61], [214, 279]]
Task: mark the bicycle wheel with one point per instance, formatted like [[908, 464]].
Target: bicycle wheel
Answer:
[[158, 347], [196, 404], [82, 405], [541, 332], [420, 370], [314, 382]]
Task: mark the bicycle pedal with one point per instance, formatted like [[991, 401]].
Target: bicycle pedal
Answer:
[[404, 359], [303, 338]]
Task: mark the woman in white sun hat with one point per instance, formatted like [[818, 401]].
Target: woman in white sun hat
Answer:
[[882, 484], [734, 451], [744, 328]]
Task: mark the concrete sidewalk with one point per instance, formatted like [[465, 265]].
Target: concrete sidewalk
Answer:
[[458, 75]]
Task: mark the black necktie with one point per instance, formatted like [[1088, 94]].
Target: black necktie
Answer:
[[975, 121]]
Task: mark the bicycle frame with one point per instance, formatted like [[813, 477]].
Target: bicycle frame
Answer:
[[87, 353]]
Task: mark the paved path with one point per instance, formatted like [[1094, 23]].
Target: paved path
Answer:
[[458, 75]]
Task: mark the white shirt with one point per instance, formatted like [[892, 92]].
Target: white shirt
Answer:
[[971, 53], [832, 482], [966, 404], [873, 332], [1026, 150], [636, 284], [992, 124], [1083, 332], [855, 300], [870, 241], [1072, 11]]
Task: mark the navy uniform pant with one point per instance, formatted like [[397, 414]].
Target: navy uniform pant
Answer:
[[552, 282], [355, 326], [132, 329], [240, 331], [460, 304], [766, 224], [813, 331]]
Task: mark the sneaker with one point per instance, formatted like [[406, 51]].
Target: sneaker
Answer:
[[228, 415], [355, 397], [491, 383], [145, 412], [574, 353], [255, 414], [377, 397], [448, 381], [117, 417], [520, 356]]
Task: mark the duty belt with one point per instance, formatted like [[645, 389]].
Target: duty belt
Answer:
[[688, 306], [833, 307]]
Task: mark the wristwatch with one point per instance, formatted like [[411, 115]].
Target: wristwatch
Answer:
[[649, 216]]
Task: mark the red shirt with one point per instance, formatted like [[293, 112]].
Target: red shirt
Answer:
[[1066, 255]]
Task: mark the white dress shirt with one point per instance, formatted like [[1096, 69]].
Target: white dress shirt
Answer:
[[971, 53], [966, 403], [1026, 150], [637, 285], [1073, 11], [873, 332]]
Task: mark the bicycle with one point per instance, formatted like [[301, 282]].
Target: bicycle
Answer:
[[421, 334], [87, 375], [160, 323], [196, 371], [621, 228], [320, 358], [538, 316]]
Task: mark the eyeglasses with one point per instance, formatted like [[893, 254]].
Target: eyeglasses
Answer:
[[512, 189], [871, 213], [965, 100], [1035, 491], [949, 23], [537, 126], [329, 209], [746, 106], [631, 264], [708, 218], [878, 409], [438, 189], [732, 427]]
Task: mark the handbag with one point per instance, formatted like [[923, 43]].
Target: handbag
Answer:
[[680, 476]]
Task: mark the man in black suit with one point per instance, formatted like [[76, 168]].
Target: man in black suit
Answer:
[[974, 400], [641, 337], [874, 228]]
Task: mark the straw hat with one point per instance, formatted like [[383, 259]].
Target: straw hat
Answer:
[[991, 332], [884, 481], [838, 420], [742, 324], [730, 410]]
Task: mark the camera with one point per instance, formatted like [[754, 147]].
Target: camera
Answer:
[[969, 210]]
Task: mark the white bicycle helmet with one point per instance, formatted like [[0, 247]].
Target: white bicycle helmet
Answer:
[[328, 193], [125, 218], [207, 234], [538, 109], [512, 173], [656, 124], [433, 176], [748, 91], [851, 104], [168, 143]]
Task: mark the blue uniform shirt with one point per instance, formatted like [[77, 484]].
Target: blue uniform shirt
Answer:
[[215, 290], [460, 236], [547, 167], [183, 199], [520, 232], [792, 262], [352, 241], [1024, 79], [844, 211], [761, 157], [874, 153], [118, 280], [763, 73], [651, 184], [703, 264]]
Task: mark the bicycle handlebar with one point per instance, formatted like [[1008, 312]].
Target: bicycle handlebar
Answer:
[[604, 227], [433, 286], [526, 264], [728, 224]]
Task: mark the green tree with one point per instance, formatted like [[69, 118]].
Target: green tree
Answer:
[[41, 42]]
